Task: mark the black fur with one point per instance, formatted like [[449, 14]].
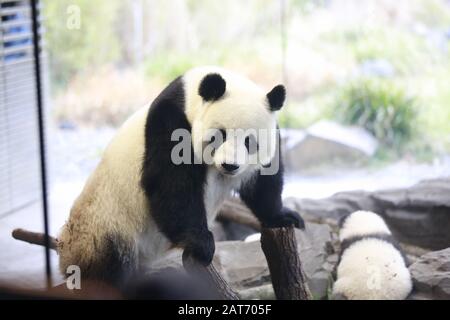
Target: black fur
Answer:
[[342, 220], [212, 87], [120, 257], [380, 236], [276, 97], [263, 197], [175, 192]]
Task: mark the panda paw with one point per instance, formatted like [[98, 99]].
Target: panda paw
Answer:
[[286, 218], [201, 248]]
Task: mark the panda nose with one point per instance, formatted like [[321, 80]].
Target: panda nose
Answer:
[[230, 167]]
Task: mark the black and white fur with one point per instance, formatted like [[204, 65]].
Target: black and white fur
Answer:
[[371, 265], [138, 204]]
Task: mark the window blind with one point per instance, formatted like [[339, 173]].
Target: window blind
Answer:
[[19, 148]]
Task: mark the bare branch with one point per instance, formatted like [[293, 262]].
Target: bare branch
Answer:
[[235, 211], [34, 238]]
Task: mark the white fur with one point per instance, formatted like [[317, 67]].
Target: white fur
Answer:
[[372, 269], [113, 202], [104, 207], [361, 223], [244, 106]]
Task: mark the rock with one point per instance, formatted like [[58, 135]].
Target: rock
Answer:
[[431, 276], [315, 247], [332, 208], [218, 231], [243, 264], [236, 231], [327, 143], [253, 237], [171, 260], [264, 292], [425, 194], [419, 215]]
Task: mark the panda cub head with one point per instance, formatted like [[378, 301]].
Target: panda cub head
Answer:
[[234, 127], [371, 265], [361, 223]]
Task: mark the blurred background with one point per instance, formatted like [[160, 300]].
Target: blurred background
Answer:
[[368, 104], [382, 66]]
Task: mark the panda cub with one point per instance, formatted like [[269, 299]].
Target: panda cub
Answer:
[[371, 265], [149, 195]]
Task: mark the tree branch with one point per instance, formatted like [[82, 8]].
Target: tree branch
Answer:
[[288, 278], [235, 211], [34, 238]]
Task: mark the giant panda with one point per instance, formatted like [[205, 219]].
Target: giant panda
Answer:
[[371, 265], [138, 203]]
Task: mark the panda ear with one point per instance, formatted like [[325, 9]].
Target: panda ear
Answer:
[[212, 87], [276, 97]]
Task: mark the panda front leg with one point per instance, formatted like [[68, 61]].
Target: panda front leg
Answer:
[[175, 191], [262, 195], [177, 207]]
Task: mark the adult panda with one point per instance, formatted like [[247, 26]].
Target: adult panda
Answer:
[[139, 203], [371, 265]]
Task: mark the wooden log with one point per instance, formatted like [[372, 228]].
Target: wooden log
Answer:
[[211, 276], [34, 238], [288, 278], [235, 211]]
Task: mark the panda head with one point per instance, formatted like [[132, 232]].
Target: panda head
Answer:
[[234, 127], [361, 223]]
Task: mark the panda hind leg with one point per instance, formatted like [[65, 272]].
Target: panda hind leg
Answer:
[[118, 262]]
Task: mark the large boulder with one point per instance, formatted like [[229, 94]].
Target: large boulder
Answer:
[[327, 143], [431, 276], [419, 215], [332, 208]]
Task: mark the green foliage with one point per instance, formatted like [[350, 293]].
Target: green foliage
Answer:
[[381, 108], [288, 120], [307, 6], [167, 66], [434, 13], [402, 49], [72, 49], [406, 51]]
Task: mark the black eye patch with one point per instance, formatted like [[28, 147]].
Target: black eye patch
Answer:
[[251, 144], [224, 134], [218, 137]]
